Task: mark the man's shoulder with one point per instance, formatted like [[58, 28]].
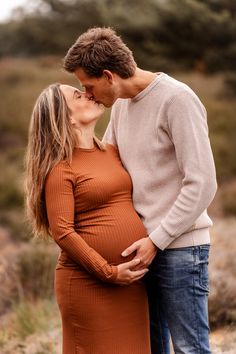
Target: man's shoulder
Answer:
[[174, 85], [171, 88]]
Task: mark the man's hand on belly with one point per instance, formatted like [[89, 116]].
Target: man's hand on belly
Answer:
[[145, 250]]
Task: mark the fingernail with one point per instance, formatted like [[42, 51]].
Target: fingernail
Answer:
[[123, 254]]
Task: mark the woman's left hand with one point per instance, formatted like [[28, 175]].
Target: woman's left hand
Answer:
[[126, 273]]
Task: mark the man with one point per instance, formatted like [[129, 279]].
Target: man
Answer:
[[159, 126]]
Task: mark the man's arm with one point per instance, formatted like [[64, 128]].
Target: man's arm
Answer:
[[187, 128]]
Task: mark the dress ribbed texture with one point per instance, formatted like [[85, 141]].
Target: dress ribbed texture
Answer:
[[92, 219]]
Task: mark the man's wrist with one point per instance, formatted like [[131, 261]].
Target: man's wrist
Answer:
[[161, 238], [153, 244]]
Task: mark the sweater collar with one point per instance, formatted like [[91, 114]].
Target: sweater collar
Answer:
[[147, 89]]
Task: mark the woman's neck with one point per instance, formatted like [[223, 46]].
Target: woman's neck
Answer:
[[84, 137]]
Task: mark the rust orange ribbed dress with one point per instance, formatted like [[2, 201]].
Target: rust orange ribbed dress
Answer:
[[92, 219]]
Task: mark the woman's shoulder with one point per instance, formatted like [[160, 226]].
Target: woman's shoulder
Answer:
[[60, 170], [112, 148]]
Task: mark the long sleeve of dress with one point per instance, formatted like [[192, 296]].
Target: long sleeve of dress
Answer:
[[60, 206]]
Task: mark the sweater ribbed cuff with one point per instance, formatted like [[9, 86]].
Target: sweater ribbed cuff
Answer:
[[161, 238]]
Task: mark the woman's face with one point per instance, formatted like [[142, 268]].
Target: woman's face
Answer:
[[83, 110]]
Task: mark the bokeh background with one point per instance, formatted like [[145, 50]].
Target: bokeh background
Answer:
[[192, 40]]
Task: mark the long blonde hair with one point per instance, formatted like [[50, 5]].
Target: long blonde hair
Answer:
[[51, 139]]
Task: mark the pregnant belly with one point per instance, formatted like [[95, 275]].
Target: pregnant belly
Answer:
[[112, 233]]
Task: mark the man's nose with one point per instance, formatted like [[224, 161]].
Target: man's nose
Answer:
[[89, 95]]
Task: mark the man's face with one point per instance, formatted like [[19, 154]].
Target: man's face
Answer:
[[101, 89]]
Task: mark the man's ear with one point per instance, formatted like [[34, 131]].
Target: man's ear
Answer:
[[108, 75]]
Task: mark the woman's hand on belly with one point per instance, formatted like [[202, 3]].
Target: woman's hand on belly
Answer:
[[126, 273]]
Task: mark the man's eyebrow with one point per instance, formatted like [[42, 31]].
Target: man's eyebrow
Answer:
[[81, 86], [87, 86]]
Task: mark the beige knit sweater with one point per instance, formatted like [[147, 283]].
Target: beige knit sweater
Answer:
[[162, 137]]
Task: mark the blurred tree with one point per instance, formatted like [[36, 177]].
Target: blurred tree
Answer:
[[163, 34], [222, 5]]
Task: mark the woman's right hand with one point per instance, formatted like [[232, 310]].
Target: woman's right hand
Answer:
[[126, 275]]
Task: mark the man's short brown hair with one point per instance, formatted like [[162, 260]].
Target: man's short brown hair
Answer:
[[99, 49]]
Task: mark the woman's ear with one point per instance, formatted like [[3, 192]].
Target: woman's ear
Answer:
[[108, 75]]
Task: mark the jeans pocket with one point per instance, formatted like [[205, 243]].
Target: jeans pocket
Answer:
[[203, 274], [204, 279]]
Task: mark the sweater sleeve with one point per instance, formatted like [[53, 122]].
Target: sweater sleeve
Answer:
[[188, 130], [60, 206]]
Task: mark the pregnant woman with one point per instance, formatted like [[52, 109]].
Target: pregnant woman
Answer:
[[78, 192]]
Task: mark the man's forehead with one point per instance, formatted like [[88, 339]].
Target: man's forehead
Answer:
[[83, 77]]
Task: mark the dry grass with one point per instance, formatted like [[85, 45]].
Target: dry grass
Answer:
[[34, 328], [222, 304], [223, 341], [29, 322], [26, 271], [35, 270]]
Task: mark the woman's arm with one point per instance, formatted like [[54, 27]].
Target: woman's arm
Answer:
[[60, 206]]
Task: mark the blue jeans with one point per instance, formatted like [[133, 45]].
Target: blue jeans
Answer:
[[177, 286]]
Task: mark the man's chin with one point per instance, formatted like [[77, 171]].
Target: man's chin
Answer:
[[108, 104], [105, 104]]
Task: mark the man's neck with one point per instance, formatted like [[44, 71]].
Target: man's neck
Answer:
[[130, 87]]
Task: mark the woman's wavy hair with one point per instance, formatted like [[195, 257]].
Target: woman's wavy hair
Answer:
[[51, 139]]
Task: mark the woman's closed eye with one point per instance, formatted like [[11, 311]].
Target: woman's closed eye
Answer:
[[77, 95]]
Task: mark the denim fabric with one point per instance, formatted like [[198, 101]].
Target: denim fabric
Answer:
[[159, 331], [178, 284]]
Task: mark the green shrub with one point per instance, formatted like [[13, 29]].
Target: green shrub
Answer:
[[35, 269]]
